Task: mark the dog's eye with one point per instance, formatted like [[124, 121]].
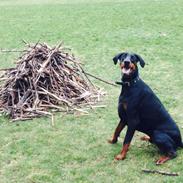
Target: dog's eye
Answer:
[[133, 59]]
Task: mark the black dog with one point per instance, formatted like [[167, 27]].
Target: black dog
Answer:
[[140, 109]]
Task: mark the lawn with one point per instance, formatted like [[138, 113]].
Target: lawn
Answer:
[[76, 148]]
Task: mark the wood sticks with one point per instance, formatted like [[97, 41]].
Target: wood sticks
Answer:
[[45, 79]]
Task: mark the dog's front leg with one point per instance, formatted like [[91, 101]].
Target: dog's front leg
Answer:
[[129, 135], [117, 132]]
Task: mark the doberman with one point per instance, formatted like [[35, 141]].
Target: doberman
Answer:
[[140, 109]]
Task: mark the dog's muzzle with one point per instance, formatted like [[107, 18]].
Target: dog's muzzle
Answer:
[[127, 67]]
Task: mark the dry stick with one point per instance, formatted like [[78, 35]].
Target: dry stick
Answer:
[[45, 63], [3, 79], [25, 42], [60, 44], [160, 172], [56, 97], [100, 79], [52, 121], [5, 69], [7, 51], [52, 106], [21, 119], [86, 75]]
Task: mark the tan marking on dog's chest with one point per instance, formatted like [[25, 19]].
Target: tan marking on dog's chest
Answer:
[[125, 105]]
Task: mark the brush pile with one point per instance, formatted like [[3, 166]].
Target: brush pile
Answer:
[[46, 79]]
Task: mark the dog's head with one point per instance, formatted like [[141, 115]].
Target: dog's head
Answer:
[[128, 62]]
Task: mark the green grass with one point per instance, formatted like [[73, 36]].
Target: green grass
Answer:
[[75, 150]]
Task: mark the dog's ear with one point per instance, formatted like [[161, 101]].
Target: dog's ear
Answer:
[[117, 57], [139, 58]]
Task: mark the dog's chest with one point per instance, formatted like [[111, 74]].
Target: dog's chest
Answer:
[[123, 102], [128, 99]]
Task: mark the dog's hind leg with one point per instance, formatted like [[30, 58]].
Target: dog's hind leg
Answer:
[[166, 145], [176, 136], [117, 132]]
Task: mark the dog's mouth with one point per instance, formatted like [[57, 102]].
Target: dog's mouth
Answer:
[[127, 70]]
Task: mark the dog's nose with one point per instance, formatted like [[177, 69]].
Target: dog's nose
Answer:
[[126, 63]]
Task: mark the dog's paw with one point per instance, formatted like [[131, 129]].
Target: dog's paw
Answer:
[[112, 141], [145, 138], [120, 157], [162, 160]]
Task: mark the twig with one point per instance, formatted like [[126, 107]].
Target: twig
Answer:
[[7, 51], [21, 119], [160, 172], [52, 121]]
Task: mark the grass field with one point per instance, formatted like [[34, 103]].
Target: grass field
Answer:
[[76, 149]]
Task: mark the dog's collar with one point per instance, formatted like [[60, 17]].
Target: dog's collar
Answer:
[[128, 83]]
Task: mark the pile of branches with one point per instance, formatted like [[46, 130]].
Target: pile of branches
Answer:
[[46, 79]]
